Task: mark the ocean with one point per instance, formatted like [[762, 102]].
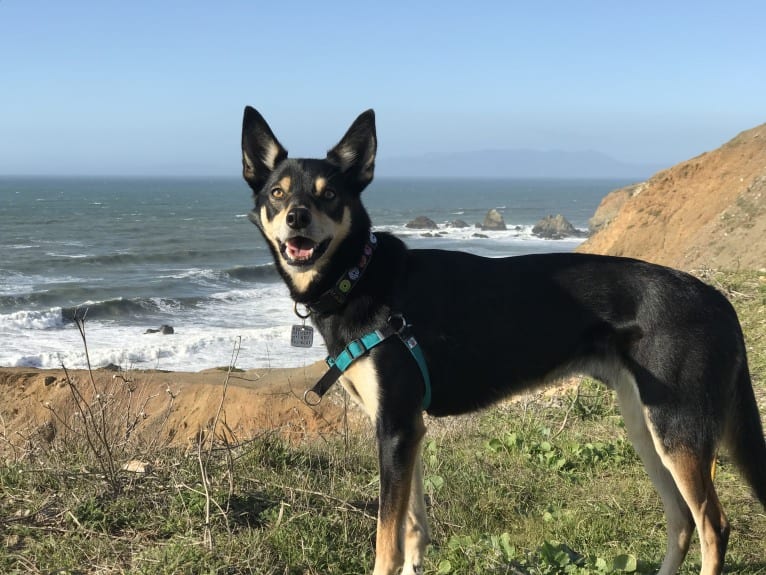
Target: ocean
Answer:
[[133, 254]]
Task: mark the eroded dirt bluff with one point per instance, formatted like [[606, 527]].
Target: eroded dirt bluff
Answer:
[[164, 408], [707, 212]]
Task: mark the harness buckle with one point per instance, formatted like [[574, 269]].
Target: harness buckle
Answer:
[[356, 348]]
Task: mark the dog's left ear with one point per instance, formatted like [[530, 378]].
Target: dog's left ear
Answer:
[[355, 153], [261, 151]]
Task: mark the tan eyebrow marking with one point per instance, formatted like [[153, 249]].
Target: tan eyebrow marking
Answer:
[[319, 185]]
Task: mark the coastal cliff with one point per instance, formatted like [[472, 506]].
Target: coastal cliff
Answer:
[[706, 212]]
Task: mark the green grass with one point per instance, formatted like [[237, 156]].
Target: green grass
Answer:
[[548, 485]]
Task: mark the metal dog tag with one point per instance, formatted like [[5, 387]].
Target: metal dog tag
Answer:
[[302, 336]]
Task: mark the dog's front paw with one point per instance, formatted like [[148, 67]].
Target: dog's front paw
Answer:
[[413, 570]]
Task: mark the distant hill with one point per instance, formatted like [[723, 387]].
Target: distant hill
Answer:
[[513, 164], [709, 211]]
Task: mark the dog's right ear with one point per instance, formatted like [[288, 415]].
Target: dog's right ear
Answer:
[[261, 151]]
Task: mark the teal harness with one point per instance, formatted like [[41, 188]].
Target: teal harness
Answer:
[[334, 299], [361, 347]]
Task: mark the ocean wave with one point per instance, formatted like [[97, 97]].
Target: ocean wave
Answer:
[[122, 308], [13, 284], [263, 272], [194, 274], [258, 273], [270, 293], [144, 311], [27, 319], [171, 256], [31, 292], [68, 256]]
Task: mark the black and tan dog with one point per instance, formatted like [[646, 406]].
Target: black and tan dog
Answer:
[[481, 329]]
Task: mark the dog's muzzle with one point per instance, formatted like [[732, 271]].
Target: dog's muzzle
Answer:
[[303, 251], [301, 248]]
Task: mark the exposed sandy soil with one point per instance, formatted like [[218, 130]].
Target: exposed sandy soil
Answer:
[[168, 408], [707, 212]]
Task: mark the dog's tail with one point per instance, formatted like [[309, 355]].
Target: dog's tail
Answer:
[[746, 440]]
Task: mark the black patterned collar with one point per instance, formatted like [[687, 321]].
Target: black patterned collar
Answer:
[[335, 297]]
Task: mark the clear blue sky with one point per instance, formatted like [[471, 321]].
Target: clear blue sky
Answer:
[[158, 87]]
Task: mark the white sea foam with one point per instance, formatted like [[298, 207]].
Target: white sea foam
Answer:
[[164, 305], [472, 238], [194, 274], [259, 319], [31, 320], [67, 256], [446, 230]]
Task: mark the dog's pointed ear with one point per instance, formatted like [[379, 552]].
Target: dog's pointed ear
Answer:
[[261, 151], [355, 153]]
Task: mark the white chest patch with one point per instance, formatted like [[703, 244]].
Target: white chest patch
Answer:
[[361, 381]]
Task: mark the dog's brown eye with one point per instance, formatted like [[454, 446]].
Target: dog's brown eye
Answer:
[[277, 193], [328, 194]]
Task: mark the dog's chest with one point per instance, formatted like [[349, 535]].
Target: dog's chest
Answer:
[[361, 380]]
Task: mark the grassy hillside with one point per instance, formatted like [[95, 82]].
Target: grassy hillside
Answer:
[[545, 485]]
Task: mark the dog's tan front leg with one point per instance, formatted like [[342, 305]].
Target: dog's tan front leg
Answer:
[[416, 536], [398, 451], [388, 556]]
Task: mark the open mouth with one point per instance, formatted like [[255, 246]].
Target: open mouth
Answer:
[[300, 251]]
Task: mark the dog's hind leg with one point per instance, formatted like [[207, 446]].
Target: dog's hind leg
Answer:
[[692, 475], [680, 525], [416, 536]]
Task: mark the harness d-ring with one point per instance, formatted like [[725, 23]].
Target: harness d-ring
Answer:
[[397, 322], [309, 393], [300, 315]]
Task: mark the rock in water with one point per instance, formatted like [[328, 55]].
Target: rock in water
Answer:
[[493, 221], [555, 228], [164, 330], [422, 223]]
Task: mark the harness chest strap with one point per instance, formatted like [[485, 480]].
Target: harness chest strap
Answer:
[[362, 346]]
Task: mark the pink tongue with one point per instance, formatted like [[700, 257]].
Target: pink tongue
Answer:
[[300, 248]]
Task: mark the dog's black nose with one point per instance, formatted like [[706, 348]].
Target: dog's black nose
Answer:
[[299, 218]]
